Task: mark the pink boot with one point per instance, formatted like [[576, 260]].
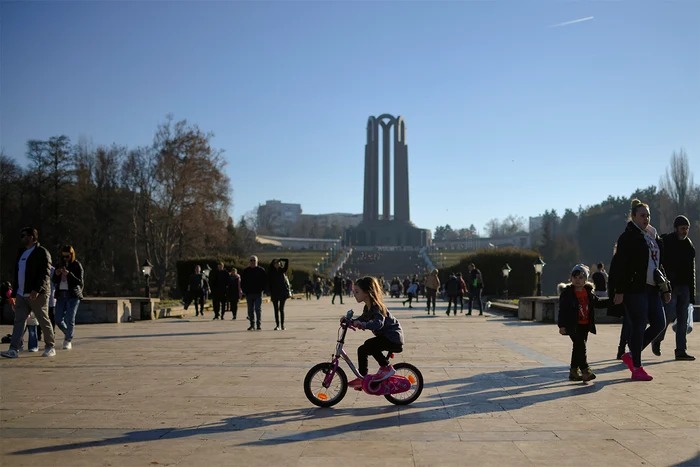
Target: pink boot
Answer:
[[627, 360], [640, 374]]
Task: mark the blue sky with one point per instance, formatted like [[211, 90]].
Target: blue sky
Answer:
[[505, 114]]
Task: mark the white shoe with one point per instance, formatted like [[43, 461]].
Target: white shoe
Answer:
[[67, 345], [49, 352], [12, 353], [35, 349], [277, 328]]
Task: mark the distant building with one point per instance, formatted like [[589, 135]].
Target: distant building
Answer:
[[277, 217], [337, 219], [476, 243], [291, 243]]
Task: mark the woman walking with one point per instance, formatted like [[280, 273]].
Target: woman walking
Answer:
[[68, 279], [639, 282]]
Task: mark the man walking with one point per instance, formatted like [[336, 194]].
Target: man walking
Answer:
[[337, 288], [679, 263], [31, 288], [219, 285], [197, 290], [253, 282]]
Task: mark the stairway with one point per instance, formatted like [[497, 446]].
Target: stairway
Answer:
[[386, 264]]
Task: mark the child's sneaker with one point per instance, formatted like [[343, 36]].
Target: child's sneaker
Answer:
[[49, 352], [34, 349], [355, 383], [640, 374], [627, 360], [588, 375], [575, 375], [384, 373]]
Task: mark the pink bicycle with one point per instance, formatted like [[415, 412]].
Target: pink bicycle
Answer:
[[326, 383]]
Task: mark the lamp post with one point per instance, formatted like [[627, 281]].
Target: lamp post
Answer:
[[146, 271], [539, 265], [506, 272]]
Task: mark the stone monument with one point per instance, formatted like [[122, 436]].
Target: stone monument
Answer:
[[386, 229]]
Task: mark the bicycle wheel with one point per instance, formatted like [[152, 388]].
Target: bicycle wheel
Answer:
[[317, 394], [411, 373]]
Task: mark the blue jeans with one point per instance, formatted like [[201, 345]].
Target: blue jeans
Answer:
[[33, 338], [677, 309], [644, 308], [254, 306], [66, 309]]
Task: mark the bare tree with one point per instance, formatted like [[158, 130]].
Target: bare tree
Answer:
[[677, 182]]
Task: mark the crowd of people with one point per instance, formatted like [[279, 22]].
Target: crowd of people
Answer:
[[226, 288], [650, 284]]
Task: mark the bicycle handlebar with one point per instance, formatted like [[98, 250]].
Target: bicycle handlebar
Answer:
[[347, 323]]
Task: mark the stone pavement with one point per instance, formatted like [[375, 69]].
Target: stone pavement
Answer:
[[196, 392]]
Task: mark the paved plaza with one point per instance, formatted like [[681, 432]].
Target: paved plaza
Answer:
[[196, 392]]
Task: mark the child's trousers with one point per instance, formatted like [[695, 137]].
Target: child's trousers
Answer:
[[578, 353]]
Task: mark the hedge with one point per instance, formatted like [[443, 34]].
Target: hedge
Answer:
[[522, 280], [185, 268]]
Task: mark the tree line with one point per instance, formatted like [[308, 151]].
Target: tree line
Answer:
[[588, 235], [120, 206]]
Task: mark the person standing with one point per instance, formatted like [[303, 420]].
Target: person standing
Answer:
[[253, 282], [280, 289], [679, 261], [600, 281], [452, 288], [639, 283], [318, 288], [432, 285], [31, 288], [337, 288], [234, 293], [219, 284], [68, 279], [462, 291], [476, 286], [308, 288]]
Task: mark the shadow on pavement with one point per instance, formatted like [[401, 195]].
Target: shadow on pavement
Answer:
[[478, 394]]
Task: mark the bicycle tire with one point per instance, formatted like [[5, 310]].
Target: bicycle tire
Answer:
[[320, 368], [419, 382]]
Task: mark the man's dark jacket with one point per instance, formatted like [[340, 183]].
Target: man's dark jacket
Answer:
[[37, 272], [680, 262], [253, 280]]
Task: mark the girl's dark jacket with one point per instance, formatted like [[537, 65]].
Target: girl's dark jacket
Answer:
[[568, 309], [629, 272], [74, 278]]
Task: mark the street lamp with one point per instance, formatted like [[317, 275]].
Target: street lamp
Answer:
[[146, 271], [506, 272], [539, 265]]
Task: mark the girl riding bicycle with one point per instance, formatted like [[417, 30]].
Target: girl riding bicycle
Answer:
[[386, 329]]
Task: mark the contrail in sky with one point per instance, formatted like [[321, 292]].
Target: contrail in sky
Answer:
[[580, 20]]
